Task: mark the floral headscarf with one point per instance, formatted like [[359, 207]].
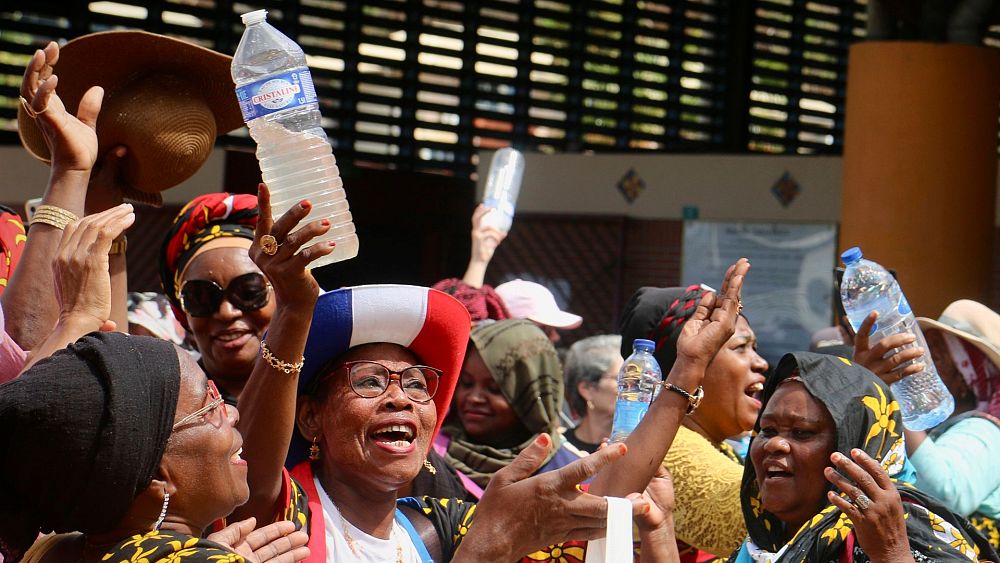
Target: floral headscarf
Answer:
[[207, 219], [867, 417]]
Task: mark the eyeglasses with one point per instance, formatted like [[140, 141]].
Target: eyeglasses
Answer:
[[372, 379], [202, 298], [215, 402]]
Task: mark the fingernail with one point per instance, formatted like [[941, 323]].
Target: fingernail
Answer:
[[856, 452], [542, 440], [645, 509], [305, 204], [332, 243], [836, 456], [325, 222], [622, 449]]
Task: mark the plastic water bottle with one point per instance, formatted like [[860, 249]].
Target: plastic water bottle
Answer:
[[638, 381], [276, 95], [502, 187], [924, 401]]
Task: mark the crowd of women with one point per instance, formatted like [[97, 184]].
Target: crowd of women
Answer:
[[403, 423]]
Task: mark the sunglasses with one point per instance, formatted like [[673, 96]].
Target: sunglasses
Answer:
[[215, 401], [202, 298], [372, 379]]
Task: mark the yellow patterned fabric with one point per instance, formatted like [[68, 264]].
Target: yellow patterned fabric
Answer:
[[169, 547], [707, 492]]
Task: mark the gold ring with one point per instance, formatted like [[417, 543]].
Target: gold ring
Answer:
[[269, 245], [30, 110]]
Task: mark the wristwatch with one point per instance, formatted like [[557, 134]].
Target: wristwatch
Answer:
[[694, 399]]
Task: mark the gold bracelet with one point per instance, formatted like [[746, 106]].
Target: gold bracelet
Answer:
[[54, 216], [118, 246], [277, 364]]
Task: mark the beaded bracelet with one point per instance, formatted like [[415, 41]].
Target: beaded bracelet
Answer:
[[279, 365], [54, 216]]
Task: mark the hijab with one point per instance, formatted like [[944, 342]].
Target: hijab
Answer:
[[866, 417], [81, 435], [525, 366]]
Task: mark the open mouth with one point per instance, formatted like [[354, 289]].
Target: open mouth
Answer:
[[397, 435], [236, 458], [754, 390]]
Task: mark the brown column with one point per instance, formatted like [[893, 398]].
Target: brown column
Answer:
[[920, 166]]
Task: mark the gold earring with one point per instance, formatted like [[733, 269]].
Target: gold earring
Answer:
[[314, 450], [590, 405], [430, 468]]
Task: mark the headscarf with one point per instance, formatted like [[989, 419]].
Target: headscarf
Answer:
[[867, 417], [81, 435], [215, 220], [526, 368], [482, 303], [658, 314], [12, 237]]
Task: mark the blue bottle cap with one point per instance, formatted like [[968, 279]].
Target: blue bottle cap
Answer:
[[643, 344], [851, 255]]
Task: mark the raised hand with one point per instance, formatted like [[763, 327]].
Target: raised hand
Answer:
[[714, 321], [550, 507], [873, 505], [81, 266], [72, 140], [878, 359], [485, 239], [276, 543], [284, 255]]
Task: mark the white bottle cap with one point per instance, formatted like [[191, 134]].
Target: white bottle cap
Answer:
[[256, 16]]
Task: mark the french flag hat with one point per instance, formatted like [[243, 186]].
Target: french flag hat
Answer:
[[430, 323]]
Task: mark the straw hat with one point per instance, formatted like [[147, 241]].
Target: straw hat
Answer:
[[164, 98], [971, 321]]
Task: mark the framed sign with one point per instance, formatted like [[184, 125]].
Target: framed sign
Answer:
[[788, 293]]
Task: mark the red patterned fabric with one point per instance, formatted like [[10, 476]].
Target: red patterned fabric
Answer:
[[202, 220], [12, 237], [483, 303]]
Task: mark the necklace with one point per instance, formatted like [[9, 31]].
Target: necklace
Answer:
[[355, 548]]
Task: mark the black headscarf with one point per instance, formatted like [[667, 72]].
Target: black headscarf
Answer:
[[867, 417], [81, 435], [658, 314]]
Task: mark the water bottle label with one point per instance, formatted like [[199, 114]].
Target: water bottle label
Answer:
[[904, 306], [276, 93]]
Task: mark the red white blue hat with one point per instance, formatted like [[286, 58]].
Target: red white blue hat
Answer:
[[430, 323]]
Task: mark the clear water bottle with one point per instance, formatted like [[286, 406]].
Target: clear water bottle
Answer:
[[502, 187], [924, 401], [279, 104], [638, 382]]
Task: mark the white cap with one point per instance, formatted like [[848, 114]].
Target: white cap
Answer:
[[255, 16], [532, 301]]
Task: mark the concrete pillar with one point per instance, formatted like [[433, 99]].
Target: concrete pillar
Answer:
[[920, 166]]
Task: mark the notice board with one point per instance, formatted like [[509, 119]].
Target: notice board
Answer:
[[788, 294]]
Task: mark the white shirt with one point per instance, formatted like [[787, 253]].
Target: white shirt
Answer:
[[366, 548]]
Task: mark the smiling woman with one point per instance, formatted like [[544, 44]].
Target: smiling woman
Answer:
[[828, 441], [214, 288], [706, 471]]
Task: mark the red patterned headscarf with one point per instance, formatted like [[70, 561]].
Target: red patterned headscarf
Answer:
[[12, 237], [205, 219], [482, 303]]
